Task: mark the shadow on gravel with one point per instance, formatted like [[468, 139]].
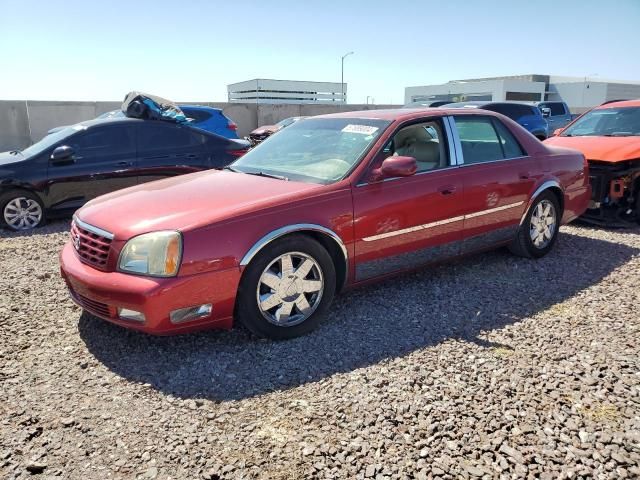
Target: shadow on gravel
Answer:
[[365, 326], [56, 226]]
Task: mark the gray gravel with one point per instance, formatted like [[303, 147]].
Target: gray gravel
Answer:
[[490, 367]]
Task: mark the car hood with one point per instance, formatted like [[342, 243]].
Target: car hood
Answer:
[[7, 158], [608, 149], [187, 202]]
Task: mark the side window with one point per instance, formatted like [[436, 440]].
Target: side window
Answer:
[[425, 142], [510, 146], [156, 136], [101, 140], [479, 139], [557, 109]]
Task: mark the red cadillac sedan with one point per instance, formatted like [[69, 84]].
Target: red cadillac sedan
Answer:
[[330, 202]]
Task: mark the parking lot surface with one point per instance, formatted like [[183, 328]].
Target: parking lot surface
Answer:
[[490, 367]]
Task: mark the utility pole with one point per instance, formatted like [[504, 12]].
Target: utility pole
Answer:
[[344, 100]]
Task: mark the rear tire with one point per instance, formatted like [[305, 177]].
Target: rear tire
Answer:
[[21, 210], [539, 230], [287, 288]]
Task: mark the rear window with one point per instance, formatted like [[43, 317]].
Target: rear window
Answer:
[[197, 115]]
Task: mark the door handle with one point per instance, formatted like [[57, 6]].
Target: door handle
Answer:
[[124, 164], [447, 190], [524, 176]]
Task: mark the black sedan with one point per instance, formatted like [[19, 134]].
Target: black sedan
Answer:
[[64, 170]]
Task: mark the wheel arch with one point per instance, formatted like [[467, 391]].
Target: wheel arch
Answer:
[[329, 239], [550, 185]]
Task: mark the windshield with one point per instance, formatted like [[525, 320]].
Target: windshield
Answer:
[[317, 150], [607, 122], [51, 140]]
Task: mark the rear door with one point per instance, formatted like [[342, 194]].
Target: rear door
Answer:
[[167, 149], [402, 223], [498, 177], [104, 161]]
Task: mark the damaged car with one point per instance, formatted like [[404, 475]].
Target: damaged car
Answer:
[[609, 137]]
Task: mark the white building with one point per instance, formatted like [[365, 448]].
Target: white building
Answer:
[[262, 90], [580, 93]]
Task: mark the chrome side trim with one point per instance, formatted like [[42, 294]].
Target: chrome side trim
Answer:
[[92, 229], [412, 229], [298, 227], [440, 222], [456, 141], [545, 186], [493, 210]]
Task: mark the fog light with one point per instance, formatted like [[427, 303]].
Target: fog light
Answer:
[[190, 313], [128, 314]]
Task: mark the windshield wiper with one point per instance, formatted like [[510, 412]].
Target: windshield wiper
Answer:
[[15, 152], [231, 169], [270, 175], [618, 134]]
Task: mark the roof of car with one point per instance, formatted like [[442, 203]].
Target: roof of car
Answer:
[[399, 113], [199, 107], [623, 103], [480, 103]]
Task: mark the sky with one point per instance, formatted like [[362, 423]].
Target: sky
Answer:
[[189, 50]]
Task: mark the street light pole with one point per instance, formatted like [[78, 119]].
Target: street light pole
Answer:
[[344, 100]]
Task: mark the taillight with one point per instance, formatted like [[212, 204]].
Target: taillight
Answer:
[[233, 126], [236, 153]]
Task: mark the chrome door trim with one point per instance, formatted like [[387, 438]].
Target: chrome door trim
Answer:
[[412, 229], [449, 129], [92, 229], [298, 227], [441, 222], [493, 210], [456, 140]]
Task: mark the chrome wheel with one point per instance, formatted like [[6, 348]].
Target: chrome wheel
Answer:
[[543, 224], [290, 289], [22, 213]]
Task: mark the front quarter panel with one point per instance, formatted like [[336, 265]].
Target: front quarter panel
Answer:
[[222, 245]]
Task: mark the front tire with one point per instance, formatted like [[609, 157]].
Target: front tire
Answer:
[[21, 210], [286, 289], [539, 231]]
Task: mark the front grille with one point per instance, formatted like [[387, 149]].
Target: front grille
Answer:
[[92, 248], [97, 308]]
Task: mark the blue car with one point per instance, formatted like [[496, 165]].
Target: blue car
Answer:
[[211, 119], [526, 114], [206, 118]]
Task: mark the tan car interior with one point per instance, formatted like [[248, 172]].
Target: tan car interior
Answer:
[[419, 142]]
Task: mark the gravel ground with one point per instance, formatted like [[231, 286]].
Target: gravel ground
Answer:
[[490, 367]]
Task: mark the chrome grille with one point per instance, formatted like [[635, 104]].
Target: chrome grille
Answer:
[[92, 247]]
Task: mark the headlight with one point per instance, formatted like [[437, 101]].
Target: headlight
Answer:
[[156, 254]]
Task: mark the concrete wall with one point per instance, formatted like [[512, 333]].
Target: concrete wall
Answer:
[[23, 123]]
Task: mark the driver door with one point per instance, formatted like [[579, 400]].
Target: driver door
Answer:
[[402, 223], [104, 160]]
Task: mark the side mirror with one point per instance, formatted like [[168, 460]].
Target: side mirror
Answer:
[[61, 154], [398, 166], [557, 131], [546, 112]]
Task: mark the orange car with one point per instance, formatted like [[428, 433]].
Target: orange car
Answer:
[[609, 137]]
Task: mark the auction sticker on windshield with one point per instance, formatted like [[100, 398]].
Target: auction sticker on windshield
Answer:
[[363, 129]]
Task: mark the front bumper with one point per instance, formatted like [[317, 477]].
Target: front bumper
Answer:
[[101, 293]]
